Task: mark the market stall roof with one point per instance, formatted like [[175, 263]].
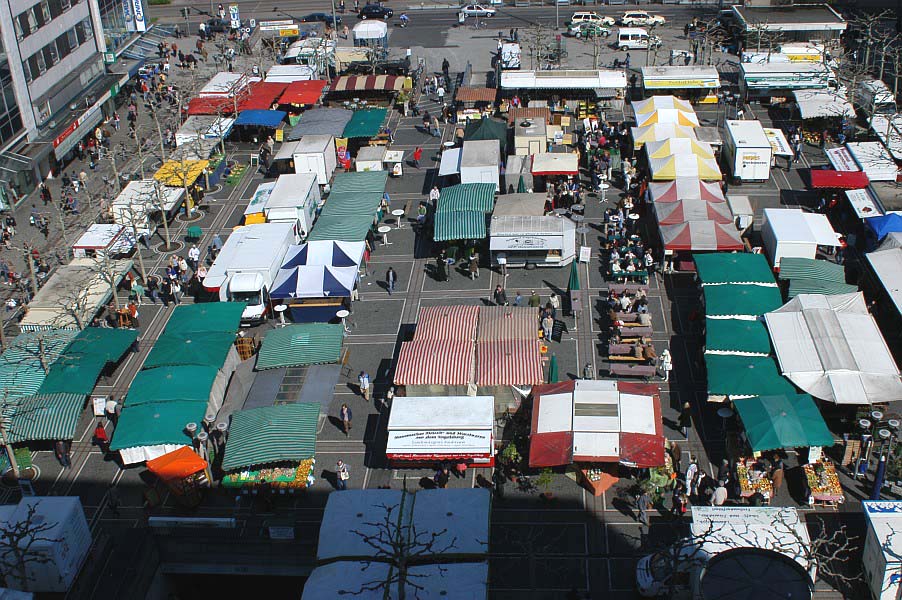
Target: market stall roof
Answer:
[[441, 413], [351, 209], [365, 123], [178, 383], [487, 129], [200, 127], [201, 348], [205, 316], [211, 105], [325, 252], [717, 268], [451, 581], [261, 118], [467, 196], [454, 323], [180, 173], [822, 103], [285, 152], [733, 301], [498, 323], [475, 94], [892, 240], [811, 276], [271, 434], [303, 93], [656, 103], [314, 281], [807, 285], [883, 225], [262, 95], [519, 205], [679, 77], [875, 160], [80, 364], [736, 336], [290, 73], [300, 345], [887, 266], [197, 149], [509, 362], [142, 196], [528, 112], [177, 464], [667, 115], [320, 121], [596, 421], [838, 180], [21, 370], [520, 226], [662, 131], [555, 163], [460, 225], [685, 188], [450, 164], [370, 30], [744, 376], [359, 83], [701, 235], [45, 417], [671, 213], [794, 225], [156, 424], [831, 347], [778, 142], [435, 362], [566, 79], [665, 148], [776, 422], [115, 239], [865, 202], [684, 165]]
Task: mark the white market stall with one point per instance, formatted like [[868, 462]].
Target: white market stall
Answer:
[[294, 199], [747, 152], [226, 84], [480, 162], [790, 232], [875, 160], [371, 33], [814, 104], [316, 154], [436, 429], [290, 73], [882, 558], [104, 240], [370, 158], [203, 127], [142, 205], [864, 202], [549, 164], [701, 82], [520, 234]]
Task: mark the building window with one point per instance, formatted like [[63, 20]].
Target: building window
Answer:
[[18, 26], [66, 4], [38, 15], [45, 11], [27, 70], [89, 28], [31, 24], [72, 38], [40, 63]]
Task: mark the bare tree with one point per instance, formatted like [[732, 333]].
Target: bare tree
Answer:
[[19, 541]]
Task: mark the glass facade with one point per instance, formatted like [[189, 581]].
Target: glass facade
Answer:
[[10, 117], [116, 17]]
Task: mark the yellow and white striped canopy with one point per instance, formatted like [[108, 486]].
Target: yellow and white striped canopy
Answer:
[[655, 103], [684, 165], [672, 146], [660, 132]]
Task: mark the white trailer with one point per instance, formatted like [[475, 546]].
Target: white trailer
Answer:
[[248, 264], [316, 154], [480, 162], [790, 232], [294, 199], [747, 152], [882, 559], [143, 204]]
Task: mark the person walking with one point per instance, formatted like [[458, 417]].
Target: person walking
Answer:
[[474, 266], [498, 483], [390, 279], [555, 301], [500, 296], [113, 500], [547, 327], [643, 504], [61, 451], [417, 155], [346, 415], [176, 292], [686, 419], [342, 475], [364, 381], [666, 364], [193, 256], [100, 437], [534, 300], [777, 475]]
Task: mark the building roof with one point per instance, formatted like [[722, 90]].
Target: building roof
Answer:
[[798, 17]]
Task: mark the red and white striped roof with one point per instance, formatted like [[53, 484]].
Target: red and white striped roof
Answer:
[[447, 323], [499, 323], [435, 362], [509, 362]]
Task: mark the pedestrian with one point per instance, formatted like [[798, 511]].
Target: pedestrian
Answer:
[[364, 380], [691, 479], [100, 437], [677, 506], [61, 450], [436, 129], [342, 475], [34, 216], [498, 481], [193, 256], [666, 364], [555, 301], [183, 269], [686, 419], [500, 296], [474, 266], [441, 268], [626, 61], [390, 279], [152, 292], [176, 292], [643, 504], [720, 494], [345, 415], [518, 299], [417, 155], [442, 477], [676, 455], [534, 300], [588, 371], [547, 327], [11, 224], [777, 475], [113, 500], [440, 93], [136, 291]]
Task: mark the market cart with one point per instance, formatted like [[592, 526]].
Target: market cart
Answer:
[[823, 483], [184, 473]]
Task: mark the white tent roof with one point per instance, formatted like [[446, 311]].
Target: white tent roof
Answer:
[[875, 160], [370, 30], [451, 581], [145, 193], [291, 190], [441, 412], [887, 265], [794, 225], [450, 164], [822, 103], [555, 163], [830, 347]]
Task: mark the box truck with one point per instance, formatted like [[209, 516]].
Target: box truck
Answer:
[[747, 152], [248, 264], [294, 199], [316, 154], [882, 558]]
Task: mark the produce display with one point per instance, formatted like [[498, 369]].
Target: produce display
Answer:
[[823, 482], [294, 477], [751, 481]]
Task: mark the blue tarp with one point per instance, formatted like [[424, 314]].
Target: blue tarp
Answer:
[[261, 118], [314, 281], [885, 224]]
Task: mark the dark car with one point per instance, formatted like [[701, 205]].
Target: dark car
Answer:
[[217, 25], [375, 11], [321, 18]]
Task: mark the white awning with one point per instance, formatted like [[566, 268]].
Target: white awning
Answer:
[[450, 164], [864, 203], [778, 142], [887, 265], [875, 160], [286, 150], [841, 159], [794, 225], [821, 103]]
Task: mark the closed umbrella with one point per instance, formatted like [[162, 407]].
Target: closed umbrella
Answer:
[[573, 285], [521, 186], [552, 369]]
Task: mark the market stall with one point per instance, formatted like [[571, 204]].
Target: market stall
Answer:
[[518, 174], [684, 188], [198, 127], [658, 132], [142, 205], [670, 147], [660, 116], [684, 165], [740, 301], [740, 337], [520, 233], [672, 213], [720, 268], [826, 179], [789, 232], [430, 430], [316, 154], [184, 473], [300, 346], [257, 124], [552, 166], [474, 102], [103, 240], [701, 236], [320, 121], [262, 95], [530, 137], [377, 89], [314, 291], [875, 160], [254, 212], [295, 199], [732, 377], [370, 158], [352, 208], [810, 276], [578, 92], [823, 483], [699, 83], [480, 162], [753, 479], [302, 94], [820, 110], [441, 353], [290, 73]]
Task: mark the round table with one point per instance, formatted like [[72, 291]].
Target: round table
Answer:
[[577, 218], [577, 208], [634, 217], [344, 314], [724, 414], [384, 229], [447, 146], [281, 308], [582, 230], [398, 213], [560, 211]]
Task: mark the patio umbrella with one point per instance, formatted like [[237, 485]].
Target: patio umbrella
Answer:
[[773, 422], [573, 285], [552, 369], [521, 186]]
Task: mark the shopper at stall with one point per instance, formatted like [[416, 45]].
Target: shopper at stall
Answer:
[[547, 327], [500, 296], [474, 266], [534, 300]]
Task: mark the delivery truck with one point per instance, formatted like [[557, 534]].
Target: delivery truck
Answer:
[[247, 265], [747, 152], [294, 199], [882, 559]]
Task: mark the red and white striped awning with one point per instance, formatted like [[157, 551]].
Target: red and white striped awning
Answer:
[[510, 362], [435, 362], [356, 83], [447, 323], [497, 323]]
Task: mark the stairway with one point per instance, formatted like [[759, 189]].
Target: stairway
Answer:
[[146, 46]]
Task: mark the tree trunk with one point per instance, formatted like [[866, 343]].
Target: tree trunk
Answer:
[[4, 441]]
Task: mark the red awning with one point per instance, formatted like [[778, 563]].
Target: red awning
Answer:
[[497, 323], [701, 235], [357, 83], [301, 93], [512, 362], [838, 180], [447, 323], [211, 105], [263, 94], [435, 362], [555, 448]]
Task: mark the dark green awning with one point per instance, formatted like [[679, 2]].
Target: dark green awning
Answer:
[[733, 267], [467, 196], [736, 376], [271, 434], [46, 417], [736, 336], [773, 422], [460, 225], [302, 344]]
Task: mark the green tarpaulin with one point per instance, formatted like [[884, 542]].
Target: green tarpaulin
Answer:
[[77, 369], [23, 364], [303, 344], [172, 384], [745, 376], [736, 336], [350, 210], [740, 300], [271, 434], [460, 225], [773, 422], [487, 129], [467, 196], [46, 417], [792, 268], [365, 123], [107, 343], [733, 267], [805, 285], [206, 348], [573, 284], [207, 316], [156, 423]]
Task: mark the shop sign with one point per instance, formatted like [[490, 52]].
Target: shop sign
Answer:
[[140, 23], [863, 203], [841, 159], [127, 15], [109, 57], [289, 32], [439, 441], [778, 142], [66, 133], [528, 242], [276, 25], [681, 83], [234, 16]]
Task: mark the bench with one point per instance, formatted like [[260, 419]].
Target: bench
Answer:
[[625, 358], [628, 288], [620, 349], [624, 316], [622, 370], [637, 330]]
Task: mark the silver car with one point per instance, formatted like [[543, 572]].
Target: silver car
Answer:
[[477, 10]]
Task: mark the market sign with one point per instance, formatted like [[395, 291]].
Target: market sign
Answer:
[[681, 83], [841, 159], [433, 441], [778, 142], [289, 32], [140, 23], [863, 203], [528, 242], [277, 25]]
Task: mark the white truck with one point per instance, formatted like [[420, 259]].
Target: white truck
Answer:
[[747, 152], [294, 199], [763, 81], [882, 559], [873, 97], [248, 264]]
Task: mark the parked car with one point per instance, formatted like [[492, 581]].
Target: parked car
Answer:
[[640, 18], [375, 11], [477, 10], [586, 30], [320, 17], [591, 17], [217, 25]]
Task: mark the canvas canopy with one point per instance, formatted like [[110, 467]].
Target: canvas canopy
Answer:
[[796, 226], [885, 224], [701, 235], [811, 276], [838, 180], [325, 252], [831, 347], [744, 376], [450, 163], [21, 370], [314, 281], [78, 367], [822, 103], [656, 103], [736, 336], [684, 165], [685, 188], [45, 417], [321, 121], [352, 206], [668, 116], [596, 421], [497, 323], [365, 123], [487, 129], [261, 118], [452, 581], [508, 362], [180, 173], [271, 434], [733, 301], [467, 196], [658, 132], [152, 425], [365, 83], [303, 93], [205, 316], [184, 383], [435, 362], [735, 267], [202, 348], [672, 213], [670, 147], [177, 464], [887, 266], [555, 163], [262, 95], [776, 422], [459, 225], [456, 322], [300, 345]]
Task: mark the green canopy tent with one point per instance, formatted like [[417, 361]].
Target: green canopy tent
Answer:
[[467, 196], [78, 367], [717, 268], [521, 186], [365, 123], [774, 422], [740, 301], [736, 336], [205, 348], [154, 424], [46, 417], [460, 225], [207, 316], [487, 129], [188, 383], [25, 364], [352, 208], [740, 376], [271, 434], [299, 345], [810, 276]]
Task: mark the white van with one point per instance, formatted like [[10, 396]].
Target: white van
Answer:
[[632, 38], [873, 97]]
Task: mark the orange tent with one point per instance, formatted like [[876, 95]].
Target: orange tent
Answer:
[[177, 464]]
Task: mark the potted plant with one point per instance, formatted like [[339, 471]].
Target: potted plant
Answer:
[[544, 481], [511, 458]]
